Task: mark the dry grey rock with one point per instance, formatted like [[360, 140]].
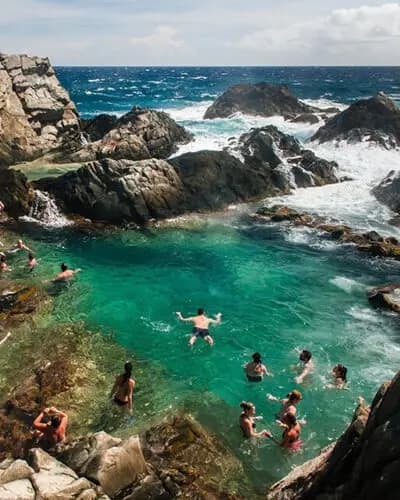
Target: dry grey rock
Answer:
[[21, 489], [36, 113], [14, 471]]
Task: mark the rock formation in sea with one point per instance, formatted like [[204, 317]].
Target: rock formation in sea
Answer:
[[363, 464], [138, 135], [376, 120], [263, 99], [36, 114], [15, 192], [385, 296], [388, 191]]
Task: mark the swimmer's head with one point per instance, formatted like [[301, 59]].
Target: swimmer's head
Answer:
[[248, 407], [305, 356], [294, 396], [257, 357], [55, 421], [200, 311], [340, 371], [64, 267], [19, 243], [290, 419], [31, 256], [128, 367]]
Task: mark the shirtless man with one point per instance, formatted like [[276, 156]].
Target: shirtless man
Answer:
[[20, 246], [201, 323], [66, 273]]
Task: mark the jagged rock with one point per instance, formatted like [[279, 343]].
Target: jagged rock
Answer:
[[151, 488], [15, 192], [305, 118], [14, 470], [282, 156], [21, 489], [388, 191], [386, 296], [137, 135], [261, 99], [36, 113], [376, 119], [97, 127]]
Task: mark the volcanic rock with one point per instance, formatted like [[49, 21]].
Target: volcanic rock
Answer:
[[261, 99]]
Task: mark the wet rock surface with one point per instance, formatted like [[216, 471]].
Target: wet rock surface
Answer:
[[388, 191], [385, 296], [375, 120], [262, 99], [15, 192]]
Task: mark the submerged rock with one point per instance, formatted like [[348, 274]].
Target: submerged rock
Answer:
[[262, 99], [36, 113], [388, 191], [362, 465], [376, 120], [137, 135]]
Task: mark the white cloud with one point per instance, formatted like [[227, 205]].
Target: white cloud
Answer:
[[339, 34], [162, 38]]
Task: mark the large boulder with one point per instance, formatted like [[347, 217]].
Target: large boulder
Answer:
[[282, 155], [386, 296], [137, 135], [96, 128], [364, 463], [15, 192], [36, 113], [376, 119], [388, 191], [262, 99]]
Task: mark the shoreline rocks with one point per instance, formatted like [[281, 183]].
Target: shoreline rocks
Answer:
[[373, 120], [263, 99], [388, 191]]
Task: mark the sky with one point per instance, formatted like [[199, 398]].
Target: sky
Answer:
[[203, 32]]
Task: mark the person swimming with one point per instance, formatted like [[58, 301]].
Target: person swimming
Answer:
[[255, 370], [52, 432], [122, 391], [339, 374], [32, 262], [3, 264], [20, 245], [65, 274], [288, 404], [247, 422], [201, 324], [308, 366], [291, 434]]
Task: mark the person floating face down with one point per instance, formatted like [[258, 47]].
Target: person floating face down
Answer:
[[122, 391], [255, 370], [201, 323], [52, 432]]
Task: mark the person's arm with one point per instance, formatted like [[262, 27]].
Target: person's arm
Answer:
[[217, 320], [265, 371], [273, 398], [303, 375], [182, 318], [37, 423], [130, 395]]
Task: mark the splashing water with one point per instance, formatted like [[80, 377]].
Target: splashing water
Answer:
[[45, 211]]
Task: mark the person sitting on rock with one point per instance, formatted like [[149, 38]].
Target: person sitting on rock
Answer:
[[122, 390], [247, 421], [65, 273], [289, 404], [50, 425], [3, 264], [255, 370], [308, 366], [339, 373], [201, 324]]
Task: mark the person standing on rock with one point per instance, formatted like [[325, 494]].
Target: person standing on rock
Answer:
[[201, 323], [122, 391], [52, 432]]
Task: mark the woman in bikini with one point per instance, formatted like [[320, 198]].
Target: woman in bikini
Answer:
[[247, 422], [122, 390]]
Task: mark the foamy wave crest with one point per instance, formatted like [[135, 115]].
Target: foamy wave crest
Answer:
[[324, 103], [346, 284]]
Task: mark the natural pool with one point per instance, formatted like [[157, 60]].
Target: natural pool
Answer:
[[276, 295]]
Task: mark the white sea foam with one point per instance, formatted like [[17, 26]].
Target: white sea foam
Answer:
[[346, 284]]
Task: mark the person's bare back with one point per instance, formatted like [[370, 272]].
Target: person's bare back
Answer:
[[201, 323]]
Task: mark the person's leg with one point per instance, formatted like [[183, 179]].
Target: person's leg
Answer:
[[192, 340], [209, 340]]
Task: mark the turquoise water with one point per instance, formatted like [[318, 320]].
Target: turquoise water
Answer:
[[275, 296]]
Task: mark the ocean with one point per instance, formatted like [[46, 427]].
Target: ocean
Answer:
[[278, 288]]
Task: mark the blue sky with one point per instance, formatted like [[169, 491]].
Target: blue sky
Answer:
[[203, 32]]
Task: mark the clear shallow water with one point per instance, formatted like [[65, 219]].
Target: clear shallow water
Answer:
[[278, 288], [275, 296]]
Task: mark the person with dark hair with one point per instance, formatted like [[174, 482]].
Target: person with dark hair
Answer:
[[291, 434], [307, 367], [339, 373], [3, 264], [247, 421], [255, 370], [65, 273], [201, 323], [32, 262], [50, 425], [122, 391], [289, 404]]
